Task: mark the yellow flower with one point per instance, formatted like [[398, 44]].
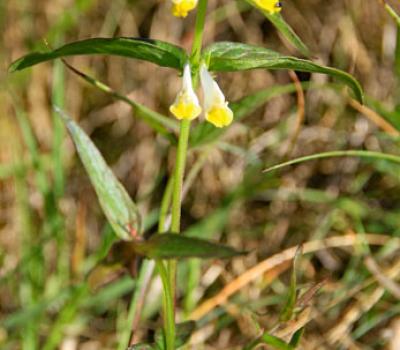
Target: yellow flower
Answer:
[[272, 6], [216, 108], [186, 105], [180, 8]]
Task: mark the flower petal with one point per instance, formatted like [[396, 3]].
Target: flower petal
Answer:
[[183, 108], [272, 6], [216, 108], [181, 8], [186, 105], [220, 115]]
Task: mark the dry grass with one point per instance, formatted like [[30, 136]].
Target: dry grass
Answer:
[[51, 228]]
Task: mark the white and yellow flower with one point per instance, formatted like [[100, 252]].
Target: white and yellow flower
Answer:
[[181, 8], [216, 108], [186, 105], [272, 6]]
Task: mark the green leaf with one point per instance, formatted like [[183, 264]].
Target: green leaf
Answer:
[[116, 203], [230, 57], [183, 332], [274, 342], [288, 309], [174, 246], [158, 52], [284, 28], [296, 338]]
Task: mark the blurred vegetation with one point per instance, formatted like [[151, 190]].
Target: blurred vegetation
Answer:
[[58, 289]]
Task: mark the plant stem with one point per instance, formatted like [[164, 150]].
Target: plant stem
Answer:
[[198, 33], [168, 300], [144, 277], [165, 204], [168, 275], [168, 307], [185, 126], [180, 163], [177, 192]]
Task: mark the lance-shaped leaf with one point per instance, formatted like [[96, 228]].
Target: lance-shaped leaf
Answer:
[[230, 57], [161, 53], [174, 246], [116, 203], [284, 28]]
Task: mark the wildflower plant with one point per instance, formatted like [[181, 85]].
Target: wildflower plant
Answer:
[[199, 66]]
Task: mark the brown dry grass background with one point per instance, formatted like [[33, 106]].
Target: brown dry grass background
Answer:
[[357, 305]]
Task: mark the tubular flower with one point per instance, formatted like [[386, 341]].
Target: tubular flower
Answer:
[[272, 6], [216, 108], [180, 8], [186, 105]]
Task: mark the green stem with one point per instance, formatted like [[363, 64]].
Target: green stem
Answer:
[[168, 306], [198, 32], [165, 204], [185, 124], [144, 277], [168, 299], [168, 275], [180, 163]]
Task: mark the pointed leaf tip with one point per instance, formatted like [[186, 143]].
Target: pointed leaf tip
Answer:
[[174, 246], [117, 205], [231, 57], [161, 53]]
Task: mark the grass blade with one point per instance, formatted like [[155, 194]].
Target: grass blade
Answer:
[[350, 153], [288, 309]]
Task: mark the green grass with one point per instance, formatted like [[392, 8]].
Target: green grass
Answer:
[[342, 178]]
